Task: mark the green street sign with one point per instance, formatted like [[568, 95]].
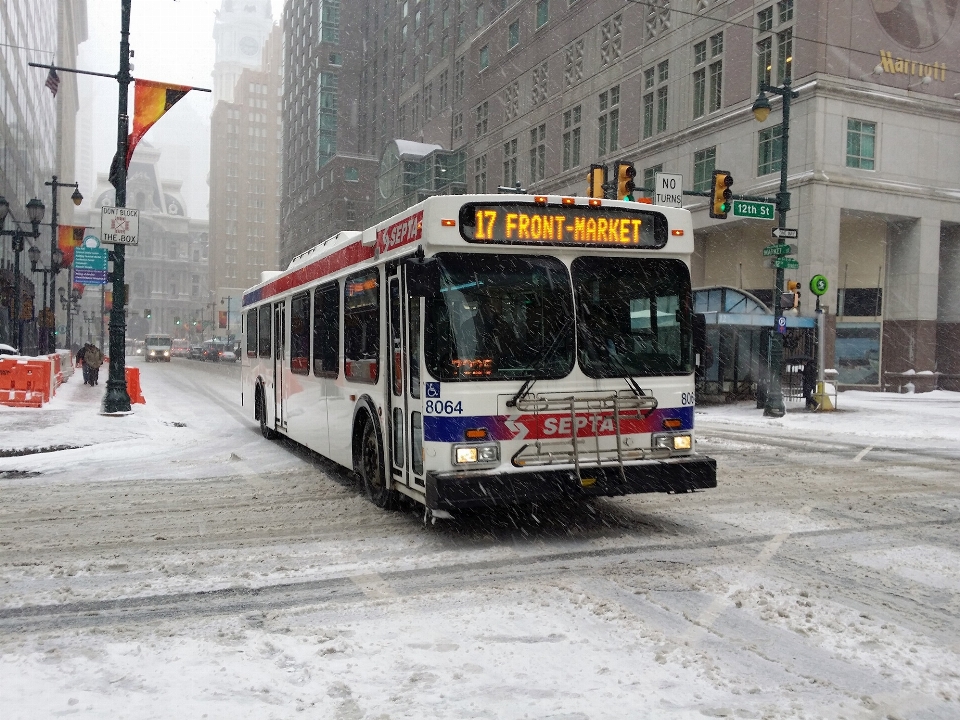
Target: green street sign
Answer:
[[818, 285], [786, 263], [779, 249], [755, 210]]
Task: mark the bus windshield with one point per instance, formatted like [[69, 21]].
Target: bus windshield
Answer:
[[159, 341], [632, 316], [500, 317]]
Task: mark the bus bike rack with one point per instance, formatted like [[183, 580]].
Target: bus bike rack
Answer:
[[566, 450]]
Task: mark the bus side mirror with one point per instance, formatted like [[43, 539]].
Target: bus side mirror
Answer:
[[423, 277]]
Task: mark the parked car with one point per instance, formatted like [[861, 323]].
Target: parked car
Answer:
[[228, 355]]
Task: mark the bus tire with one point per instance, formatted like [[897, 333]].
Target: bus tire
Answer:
[[261, 408], [372, 470]]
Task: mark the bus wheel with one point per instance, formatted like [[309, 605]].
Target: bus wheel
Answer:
[[371, 469], [267, 432]]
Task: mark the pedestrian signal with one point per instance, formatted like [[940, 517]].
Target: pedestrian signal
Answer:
[[720, 204], [625, 175], [790, 300]]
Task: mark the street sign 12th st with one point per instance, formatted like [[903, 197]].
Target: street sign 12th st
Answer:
[[786, 263], [752, 209]]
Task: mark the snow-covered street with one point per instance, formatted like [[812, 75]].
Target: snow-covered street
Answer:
[[173, 563]]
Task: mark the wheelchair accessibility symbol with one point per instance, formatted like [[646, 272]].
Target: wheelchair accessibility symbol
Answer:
[[433, 389]]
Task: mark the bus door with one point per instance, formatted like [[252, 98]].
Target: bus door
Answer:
[[279, 359], [406, 411]]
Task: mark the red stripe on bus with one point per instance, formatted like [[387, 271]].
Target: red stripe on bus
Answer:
[[343, 258]]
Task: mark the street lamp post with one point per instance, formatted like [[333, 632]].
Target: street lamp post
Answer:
[[72, 306], [88, 320], [228, 300], [49, 276], [54, 237], [35, 210], [773, 406], [117, 399]]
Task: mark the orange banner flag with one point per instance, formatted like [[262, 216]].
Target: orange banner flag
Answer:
[[68, 238], [108, 299], [150, 101]]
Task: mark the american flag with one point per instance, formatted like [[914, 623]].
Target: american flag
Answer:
[[53, 81]]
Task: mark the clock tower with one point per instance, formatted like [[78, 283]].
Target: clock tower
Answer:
[[239, 31]]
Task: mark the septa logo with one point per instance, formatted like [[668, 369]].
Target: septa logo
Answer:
[[400, 233]]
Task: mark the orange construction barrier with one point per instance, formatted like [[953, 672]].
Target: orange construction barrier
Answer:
[[133, 386], [25, 380]]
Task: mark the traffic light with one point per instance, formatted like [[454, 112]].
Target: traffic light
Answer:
[[790, 300], [595, 180], [148, 314], [625, 175], [176, 320], [720, 204]]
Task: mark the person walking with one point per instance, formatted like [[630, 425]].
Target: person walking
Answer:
[[83, 365], [93, 358]]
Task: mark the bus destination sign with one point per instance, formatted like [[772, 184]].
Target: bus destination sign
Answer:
[[528, 224]]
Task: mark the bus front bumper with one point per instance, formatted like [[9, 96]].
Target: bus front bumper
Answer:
[[474, 490]]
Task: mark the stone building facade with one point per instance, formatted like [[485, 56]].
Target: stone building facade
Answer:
[[535, 91]]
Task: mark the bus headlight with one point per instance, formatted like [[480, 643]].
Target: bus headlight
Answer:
[[671, 442], [166, 353], [476, 455]]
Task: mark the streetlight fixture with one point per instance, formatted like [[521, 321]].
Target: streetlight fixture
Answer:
[[77, 198], [35, 210], [773, 405]]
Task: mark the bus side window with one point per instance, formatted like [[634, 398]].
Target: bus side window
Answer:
[[251, 333], [326, 331], [265, 320], [300, 334], [361, 326]]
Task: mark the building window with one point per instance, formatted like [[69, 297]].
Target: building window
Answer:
[[611, 40], [326, 118], [663, 71], [770, 150], [330, 21], [648, 115], [480, 174], [774, 47], [427, 102], [649, 78], [458, 126], [538, 152], [351, 174], [481, 119], [510, 163], [480, 10], [704, 163], [609, 121], [861, 144], [513, 35], [415, 112], [650, 175], [484, 57], [442, 89], [571, 138], [661, 109], [543, 12], [458, 73]]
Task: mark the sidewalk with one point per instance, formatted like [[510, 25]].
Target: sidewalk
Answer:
[[930, 420]]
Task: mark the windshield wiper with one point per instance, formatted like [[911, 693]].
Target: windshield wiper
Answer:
[[537, 368], [615, 360]]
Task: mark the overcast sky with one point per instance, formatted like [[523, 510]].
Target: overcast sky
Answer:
[[172, 41]]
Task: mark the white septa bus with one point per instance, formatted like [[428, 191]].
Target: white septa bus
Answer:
[[487, 349]]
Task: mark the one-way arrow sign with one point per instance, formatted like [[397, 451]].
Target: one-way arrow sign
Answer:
[[784, 233]]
